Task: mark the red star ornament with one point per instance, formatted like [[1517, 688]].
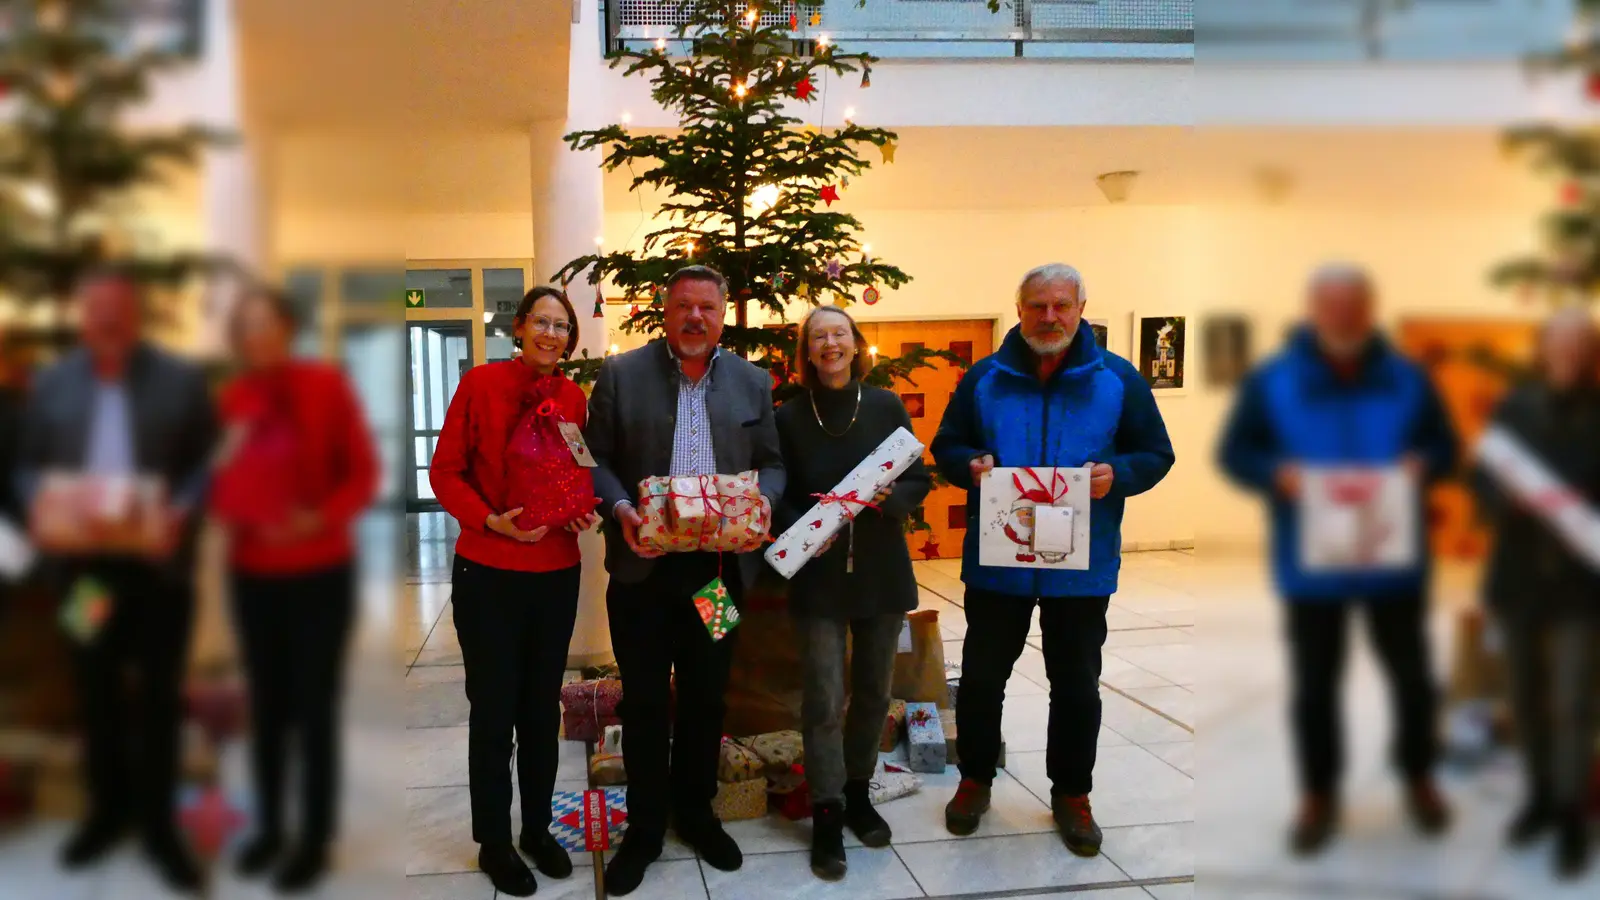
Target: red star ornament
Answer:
[[210, 821], [930, 549], [805, 88], [830, 194]]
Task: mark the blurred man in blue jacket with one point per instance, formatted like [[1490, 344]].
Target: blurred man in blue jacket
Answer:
[[1339, 395], [1049, 397]]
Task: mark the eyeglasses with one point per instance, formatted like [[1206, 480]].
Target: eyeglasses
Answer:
[[543, 325]]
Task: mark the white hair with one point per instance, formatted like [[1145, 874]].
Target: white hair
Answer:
[[1340, 274], [1053, 273]]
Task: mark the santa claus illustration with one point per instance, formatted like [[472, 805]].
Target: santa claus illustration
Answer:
[[1018, 526]]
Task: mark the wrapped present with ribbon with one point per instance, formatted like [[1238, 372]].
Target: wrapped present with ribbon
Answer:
[[893, 726], [837, 508], [780, 752], [712, 513], [892, 782], [737, 801], [736, 762], [587, 707], [794, 804], [925, 743]]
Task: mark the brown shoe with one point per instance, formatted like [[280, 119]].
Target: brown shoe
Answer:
[[1075, 822], [962, 815], [1428, 808], [1314, 826]]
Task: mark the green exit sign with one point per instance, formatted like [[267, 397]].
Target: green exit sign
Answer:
[[416, 299]]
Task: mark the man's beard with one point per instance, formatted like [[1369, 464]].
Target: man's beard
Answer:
[[694, 346], [1050, 346]]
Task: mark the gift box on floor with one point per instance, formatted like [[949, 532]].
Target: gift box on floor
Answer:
[[606, 768], [893, 726], [794, 804], [587, 707], [713, 513], [740, 800], [925, 748], [795, 547], [736, 762], [780, 751], [891, 783]]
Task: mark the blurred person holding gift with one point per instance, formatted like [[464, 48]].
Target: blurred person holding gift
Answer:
[[511, 467], [856, 588], [1545, 591], [1342, 435], [676, 407], [297, 468], [1049, 397], [114, 463]]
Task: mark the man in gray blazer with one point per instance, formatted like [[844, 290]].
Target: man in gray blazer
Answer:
[[119, 407], [678, 406]]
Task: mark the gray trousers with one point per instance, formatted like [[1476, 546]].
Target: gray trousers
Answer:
[[1552, 664], [842, 745]]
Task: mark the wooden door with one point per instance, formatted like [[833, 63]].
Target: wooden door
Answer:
[[926, 400]]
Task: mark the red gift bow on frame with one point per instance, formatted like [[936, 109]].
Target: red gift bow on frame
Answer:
[[1041, 494]]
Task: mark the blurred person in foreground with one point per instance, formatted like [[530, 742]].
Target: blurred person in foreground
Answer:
[[1049, 397], [678, 406], [1340, 396], [1545, 595], [297, 469], [856, 594], [12, 399], [514, 587], [112, 409]]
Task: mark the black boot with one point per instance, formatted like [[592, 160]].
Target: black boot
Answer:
[[827, 841], [91, 843], [1534, 820], [259, 855], [507, 870], [303, 870], [1314, 825], [861, 818], [1572, 846], [172, 860], [626, 871], [546, 852]]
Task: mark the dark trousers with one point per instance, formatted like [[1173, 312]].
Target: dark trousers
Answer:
[[514, 629], [1074, 630], [294, 631], [1552, 662], [131, 723], [1317, 653], [671, 763]]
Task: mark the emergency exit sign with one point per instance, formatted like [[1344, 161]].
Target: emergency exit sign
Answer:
[[416, 299]]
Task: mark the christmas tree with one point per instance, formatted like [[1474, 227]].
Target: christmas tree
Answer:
[[749, 185], [68, 71]]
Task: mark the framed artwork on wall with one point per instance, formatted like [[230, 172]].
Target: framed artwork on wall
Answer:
[[1226, 339], [1102, 333], [1161, 351]]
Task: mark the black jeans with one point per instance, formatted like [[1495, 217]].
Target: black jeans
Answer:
[[1074, 630], [294, 631], [131, 733], [672, 764], [1552, 661], [1317, 650], [514, 629]]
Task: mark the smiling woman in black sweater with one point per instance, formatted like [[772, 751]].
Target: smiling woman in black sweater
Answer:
[[860, 584]]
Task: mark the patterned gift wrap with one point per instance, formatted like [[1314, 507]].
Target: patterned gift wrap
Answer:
[[780, 751], [714, 513], [607, 770], [891, 783], [738, 763], [893, 726], [716, 609], [926, 746], [795, 547], [587, 707], [566, 817], [740, 800]]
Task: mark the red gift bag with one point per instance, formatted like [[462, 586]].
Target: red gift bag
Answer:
[[542, 476]]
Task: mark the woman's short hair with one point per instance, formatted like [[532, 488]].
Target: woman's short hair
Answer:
[[526, 307], [282, 305], [859, 366]]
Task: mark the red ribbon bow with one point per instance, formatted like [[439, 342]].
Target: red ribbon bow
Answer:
[[547, 408], [1041, 494], [846, 499], [921, 717]]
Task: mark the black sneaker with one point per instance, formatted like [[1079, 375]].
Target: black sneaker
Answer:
[[1075, 823], [827, 841], [861, 818], [1313, 828], [713, 844], [1572, 847], [259, 855], [548, 856], [173, 861], [303, 870], [91, 843], [626, 871], [1533, 821], [507, 870]]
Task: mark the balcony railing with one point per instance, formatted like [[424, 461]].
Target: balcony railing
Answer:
[[1406, 30], [947, 27]]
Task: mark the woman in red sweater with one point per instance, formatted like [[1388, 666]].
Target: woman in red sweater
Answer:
[[504, 470], [297, 469]]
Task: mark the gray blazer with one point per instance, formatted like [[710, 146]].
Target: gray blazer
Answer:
[[633, 413], [174, 424]]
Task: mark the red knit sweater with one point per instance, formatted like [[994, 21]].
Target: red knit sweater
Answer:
[[468, 472], [302, 444]]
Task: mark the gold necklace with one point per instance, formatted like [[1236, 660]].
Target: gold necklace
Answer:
[[853, 415]]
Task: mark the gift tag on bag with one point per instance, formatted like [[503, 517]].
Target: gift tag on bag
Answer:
[[576, 443], [716, 609], [1052, 529], [86, 611]]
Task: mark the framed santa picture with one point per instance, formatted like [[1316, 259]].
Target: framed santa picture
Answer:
[[1034, 518]]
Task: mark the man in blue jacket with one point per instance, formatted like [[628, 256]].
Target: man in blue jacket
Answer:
[[1340, 395], [1049, 397]]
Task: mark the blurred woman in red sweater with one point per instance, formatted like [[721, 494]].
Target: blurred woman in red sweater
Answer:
[[505, 470], [297, 469]]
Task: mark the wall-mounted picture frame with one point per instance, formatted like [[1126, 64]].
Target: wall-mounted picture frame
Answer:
[[1102, 333], [1226, 339], [1161, 352]]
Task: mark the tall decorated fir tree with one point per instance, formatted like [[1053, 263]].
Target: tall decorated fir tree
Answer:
[[750, 185]]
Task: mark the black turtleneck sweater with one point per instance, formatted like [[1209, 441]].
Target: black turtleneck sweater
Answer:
[[816, 460]]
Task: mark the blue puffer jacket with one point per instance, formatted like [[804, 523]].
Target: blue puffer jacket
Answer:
[[1295, 408], [1095, 408]]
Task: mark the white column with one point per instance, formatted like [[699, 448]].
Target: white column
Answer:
[[568, 214]]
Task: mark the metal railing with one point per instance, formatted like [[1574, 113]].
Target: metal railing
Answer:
[[1411, 30]]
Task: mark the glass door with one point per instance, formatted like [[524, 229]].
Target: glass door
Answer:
[[441, 352]]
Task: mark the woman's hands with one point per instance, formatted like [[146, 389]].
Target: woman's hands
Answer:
[[503, 524], [583, 523]]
